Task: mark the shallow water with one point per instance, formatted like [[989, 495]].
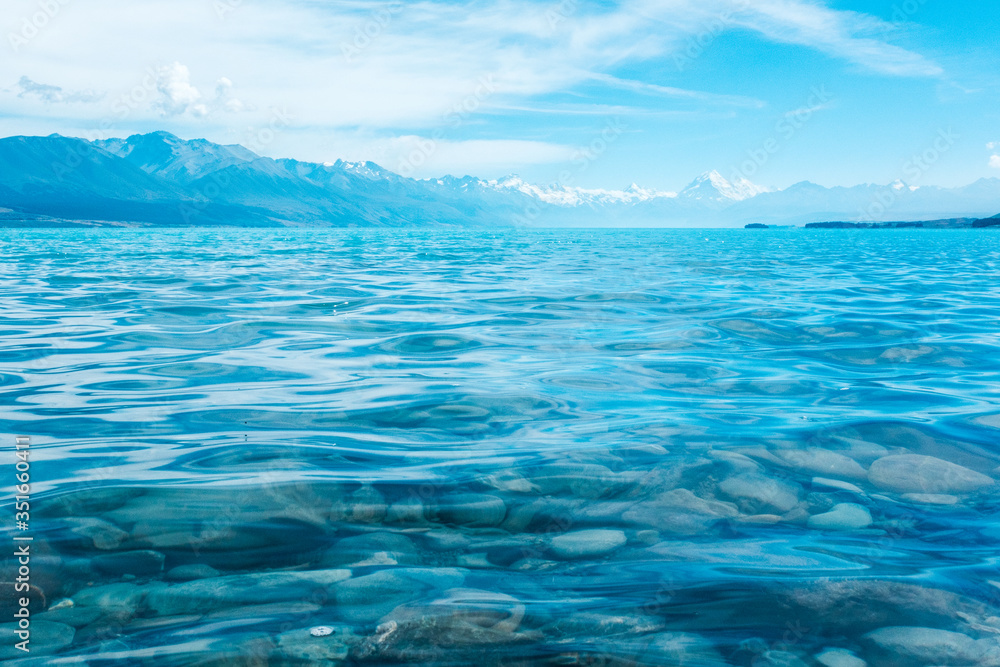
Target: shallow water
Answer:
[[694, 447]]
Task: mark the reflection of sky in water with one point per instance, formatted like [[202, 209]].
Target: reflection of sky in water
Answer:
[[637, 447]]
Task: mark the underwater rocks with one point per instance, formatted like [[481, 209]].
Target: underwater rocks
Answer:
[[906, 646], [843, 516], [204, 595], [367, 598], [473, 510], [756, 494], [138, 563], [913, 473], [586, 543], [463, 622]]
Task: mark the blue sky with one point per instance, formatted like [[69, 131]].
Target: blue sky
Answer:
[[595, 94]]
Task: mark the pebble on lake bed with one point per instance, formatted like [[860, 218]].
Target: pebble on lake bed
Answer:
[[587, 543], [844, 516], [912, 473]]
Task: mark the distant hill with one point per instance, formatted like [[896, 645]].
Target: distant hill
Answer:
[[949, 223], [988, 222], [160, 179]]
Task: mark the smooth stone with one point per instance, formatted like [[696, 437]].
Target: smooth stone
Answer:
[[778, 659], [913, 473], [823, 462], [586, 543], [46, 638], [680, 648], [191, 572], [581, 480], [73, 616], [682, 499], [757, 494], [331, 645], [367, 598], [445, 540], [270, 611], [88, 502], [476, 561], [367, 505], [118, 600], [410, 510], [510, 481], [103, 535], [205, 595], [464, 620], [926, 646], [930, 498], [647, 515], [139, 563], [837, 484], [844, 516], [472, 510], [839, 657], [360, 548]]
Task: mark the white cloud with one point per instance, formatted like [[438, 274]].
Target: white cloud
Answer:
[[995, 161], [177, 93], [429, 57], [993, 145], [54, 94]]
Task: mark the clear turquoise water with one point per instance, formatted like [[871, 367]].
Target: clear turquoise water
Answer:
[[695, 447]]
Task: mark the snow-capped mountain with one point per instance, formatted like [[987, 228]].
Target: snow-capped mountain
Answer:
[[712, 187], [160, 179], [562, 195]]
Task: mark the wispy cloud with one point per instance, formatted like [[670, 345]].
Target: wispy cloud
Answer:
[[55, 94], [430, 56]]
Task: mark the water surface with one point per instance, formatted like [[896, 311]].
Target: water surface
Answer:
[[695, 447]]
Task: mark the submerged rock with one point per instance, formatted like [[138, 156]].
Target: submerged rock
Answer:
[[475, 510], [757, 494], [464, 623], [138, 563], [906, 646], [102, 535], [191, 572], [359, 548], [326, 645], [205, 595], [821, 462], [913, 473], [930, 498], [586, 543], [367, 598], [844, 516], [839, 657]]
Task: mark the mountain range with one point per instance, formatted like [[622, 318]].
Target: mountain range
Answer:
[[160, 179]]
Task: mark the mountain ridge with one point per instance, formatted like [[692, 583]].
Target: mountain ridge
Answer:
[[160, 179]]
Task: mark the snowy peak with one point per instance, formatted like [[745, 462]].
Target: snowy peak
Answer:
[[713, 187], [563, 195]]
